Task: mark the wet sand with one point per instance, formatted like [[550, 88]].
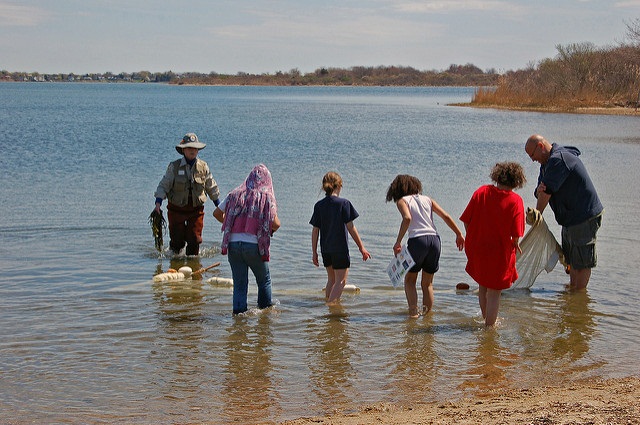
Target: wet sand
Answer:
[[609, 111], [613, 401], [589, 111]]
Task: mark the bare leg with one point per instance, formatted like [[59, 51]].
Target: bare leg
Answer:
[[427, 292], [338, 285], [492, 306], [578, 279], [482, 300], [331, 280], [411, 292]]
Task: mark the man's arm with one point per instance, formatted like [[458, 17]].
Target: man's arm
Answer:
[[543, 197]]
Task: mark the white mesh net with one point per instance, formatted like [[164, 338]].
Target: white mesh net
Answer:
[[540, 251]]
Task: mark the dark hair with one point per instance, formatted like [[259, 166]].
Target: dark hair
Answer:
[[509, 174], [403, 185], [330, 182]]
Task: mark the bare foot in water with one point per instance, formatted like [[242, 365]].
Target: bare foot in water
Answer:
[[413, 312]]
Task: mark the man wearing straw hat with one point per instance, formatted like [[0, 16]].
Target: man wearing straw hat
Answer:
[[186, 185]]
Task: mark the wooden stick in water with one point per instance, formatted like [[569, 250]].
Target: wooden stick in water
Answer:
[[204, 269]]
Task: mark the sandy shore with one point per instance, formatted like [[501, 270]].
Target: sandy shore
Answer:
[[614, 401], [609, 111], [592, 111]]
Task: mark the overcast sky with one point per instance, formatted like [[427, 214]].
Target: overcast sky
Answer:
[[266, 36]]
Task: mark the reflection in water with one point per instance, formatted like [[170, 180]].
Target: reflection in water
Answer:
[[178, 355], [576, 327], [488, 371], [415, 369], [248, 386], [329, 359], [180, 301]]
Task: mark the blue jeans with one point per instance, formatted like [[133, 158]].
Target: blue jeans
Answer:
[[242, 257]]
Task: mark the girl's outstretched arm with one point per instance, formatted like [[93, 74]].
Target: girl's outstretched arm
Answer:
[[356, 238], [450, 222], [402, 206], [218, 214]]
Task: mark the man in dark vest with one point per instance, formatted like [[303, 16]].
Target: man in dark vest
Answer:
[[186, 185]]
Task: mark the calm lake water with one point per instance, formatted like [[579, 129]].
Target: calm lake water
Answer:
[[87, 337]]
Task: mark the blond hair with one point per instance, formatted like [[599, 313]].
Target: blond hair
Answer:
[[331, 182]]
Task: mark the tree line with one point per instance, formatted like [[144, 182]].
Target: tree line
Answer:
[[140, 76], [455, 75], [580, 75]]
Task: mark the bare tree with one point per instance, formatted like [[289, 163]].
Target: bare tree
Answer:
[[633, 31]]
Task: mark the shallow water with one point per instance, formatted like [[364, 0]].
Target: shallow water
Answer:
[[88, 337]]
